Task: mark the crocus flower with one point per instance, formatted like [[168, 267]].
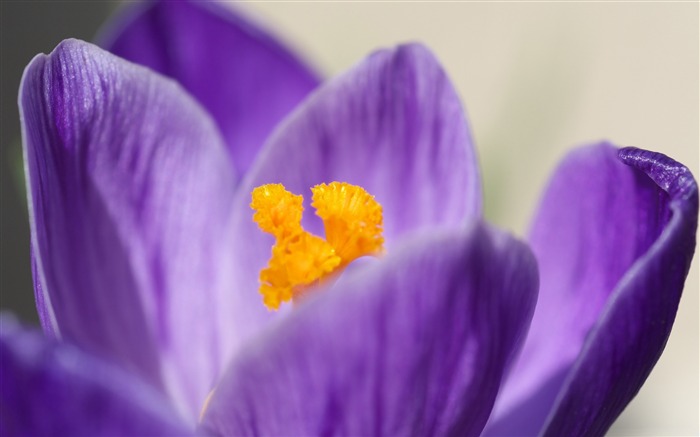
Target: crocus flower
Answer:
[[146, 259]]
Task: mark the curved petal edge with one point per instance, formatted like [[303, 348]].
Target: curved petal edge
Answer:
[[50, 388], [413, 344], [246, 79], [631, 333], [129, 192]]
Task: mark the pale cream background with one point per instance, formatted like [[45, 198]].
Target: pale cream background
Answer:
[[538, 78]]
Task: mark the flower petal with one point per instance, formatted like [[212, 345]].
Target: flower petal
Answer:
[[43, 308], [129, 193], [393, 125], [49, 388], [415, 344], [628, 340], [614, 238], [245, 78]]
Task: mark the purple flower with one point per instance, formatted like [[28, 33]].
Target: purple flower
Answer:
[[146, 258]]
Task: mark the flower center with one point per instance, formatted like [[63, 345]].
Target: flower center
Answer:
[[352, 220]]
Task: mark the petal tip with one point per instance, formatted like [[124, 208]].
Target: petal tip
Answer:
[[672, 176]]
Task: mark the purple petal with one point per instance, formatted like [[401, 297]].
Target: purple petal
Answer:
[[626, 343], [415, 344], [49, 388], [43, 308], [614, 244], [129, 193], [394, 125], [245, 78]]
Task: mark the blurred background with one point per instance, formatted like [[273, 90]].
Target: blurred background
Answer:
[[537, 78]]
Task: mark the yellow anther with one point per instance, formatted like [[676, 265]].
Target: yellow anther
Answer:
[[352, 219], [277, 211], [353, 223], [297, 262]]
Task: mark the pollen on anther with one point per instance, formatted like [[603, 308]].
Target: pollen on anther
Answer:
[[352, 219], [297, 262], [277, 211], [353, 223]]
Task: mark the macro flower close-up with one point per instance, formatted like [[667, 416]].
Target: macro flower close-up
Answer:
[[225, 243]]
